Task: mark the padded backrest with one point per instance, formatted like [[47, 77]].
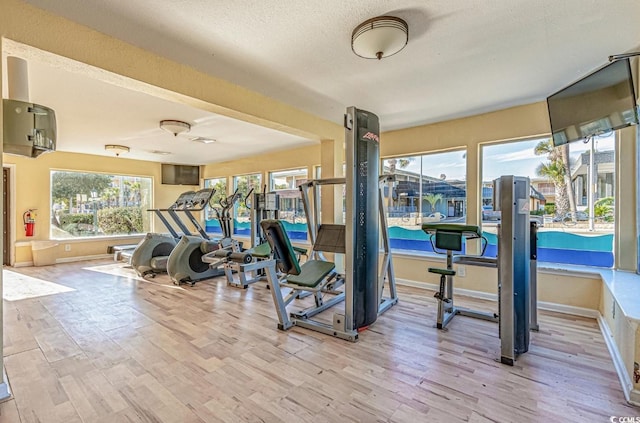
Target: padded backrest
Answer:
[[446, 240], [331, 238], [469, 231], [281, 246], [448, 236]]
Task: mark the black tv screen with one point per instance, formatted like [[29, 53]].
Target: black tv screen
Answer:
[[598, 103], [180, 174]]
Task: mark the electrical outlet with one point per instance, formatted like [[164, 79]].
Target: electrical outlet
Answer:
[[67, 247], [462, 271]]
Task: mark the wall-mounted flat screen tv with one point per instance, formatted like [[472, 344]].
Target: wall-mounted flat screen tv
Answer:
[[180, 174], [598, 103]]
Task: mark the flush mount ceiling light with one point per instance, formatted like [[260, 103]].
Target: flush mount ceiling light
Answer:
[[380, 37], [175, 126], [117, 149]]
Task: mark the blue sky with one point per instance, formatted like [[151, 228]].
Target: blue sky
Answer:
[[516, 158]]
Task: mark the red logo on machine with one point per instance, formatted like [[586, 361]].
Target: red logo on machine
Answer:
[[371, 136]]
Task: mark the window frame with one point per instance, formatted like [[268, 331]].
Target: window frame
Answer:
[[145, 215]]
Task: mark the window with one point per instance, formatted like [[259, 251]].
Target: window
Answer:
[[286, 183], [241, 213], [568, 233], [212, 225], [93, 204], [428, 188]]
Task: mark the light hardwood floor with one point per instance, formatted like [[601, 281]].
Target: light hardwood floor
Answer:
[[121, 350]]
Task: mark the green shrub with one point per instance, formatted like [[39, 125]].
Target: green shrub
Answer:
[[79, 224], [120, 220], [70, 219], [536, 212], [604, 208], [550, 208]]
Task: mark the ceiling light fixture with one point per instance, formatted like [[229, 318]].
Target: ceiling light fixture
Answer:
[[380, 37], [117, 149], [175, 126], [160, 152]]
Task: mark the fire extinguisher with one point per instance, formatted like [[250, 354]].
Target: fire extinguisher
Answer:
[[29, 219]]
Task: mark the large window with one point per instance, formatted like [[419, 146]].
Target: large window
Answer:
[[428, 188], [93, 204], [212, 224], [576, 218], [286, 183], [241, 213]]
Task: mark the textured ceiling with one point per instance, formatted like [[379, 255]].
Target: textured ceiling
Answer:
[[463, 57]]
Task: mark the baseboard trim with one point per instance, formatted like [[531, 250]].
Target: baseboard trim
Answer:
[[83, 258], [67, 260], [632, 396], [542, 305], [568, 309]]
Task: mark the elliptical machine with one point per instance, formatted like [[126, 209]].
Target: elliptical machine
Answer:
[[186, 263], [152, 253]]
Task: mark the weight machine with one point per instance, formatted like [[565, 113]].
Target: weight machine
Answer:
[[358, 239], [516, 264]]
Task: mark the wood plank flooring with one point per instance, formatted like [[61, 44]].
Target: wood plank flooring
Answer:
[[117, 349]]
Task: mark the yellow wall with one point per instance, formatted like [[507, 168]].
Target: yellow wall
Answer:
[[308, 157], [32, 191], [581, 291]]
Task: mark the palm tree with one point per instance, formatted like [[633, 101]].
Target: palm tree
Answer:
[[554, 171], [432, 199], [567, 178], [557, 170]]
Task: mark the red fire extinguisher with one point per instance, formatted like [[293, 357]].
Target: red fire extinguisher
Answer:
[[29, 218]]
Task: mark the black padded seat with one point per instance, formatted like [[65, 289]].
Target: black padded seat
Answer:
[[444, 272], [312, 272], [261, 251]]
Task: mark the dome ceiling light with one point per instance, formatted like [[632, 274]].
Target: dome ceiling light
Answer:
[[175, 126], [117, 149], [380, 37]]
